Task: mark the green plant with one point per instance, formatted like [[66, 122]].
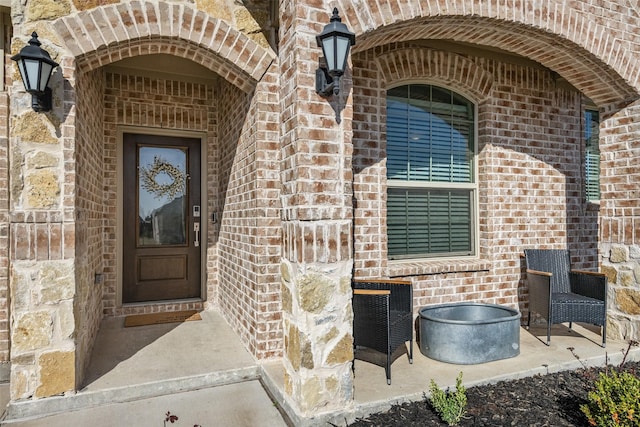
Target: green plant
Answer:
[[450, 406], [615, 401]]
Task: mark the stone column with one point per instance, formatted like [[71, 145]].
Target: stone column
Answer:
[[317, 221], [620, 220], [42, 238]]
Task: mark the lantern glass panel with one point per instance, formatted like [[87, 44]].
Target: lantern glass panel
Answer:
[[329, 53], [342, 44], [45, 74]]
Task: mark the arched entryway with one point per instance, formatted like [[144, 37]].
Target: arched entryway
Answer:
[[187, 80]]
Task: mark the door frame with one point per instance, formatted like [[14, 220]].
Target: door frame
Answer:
[[204, 213]]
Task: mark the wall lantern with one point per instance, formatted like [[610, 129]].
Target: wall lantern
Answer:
[[35, 67], [335, 41]]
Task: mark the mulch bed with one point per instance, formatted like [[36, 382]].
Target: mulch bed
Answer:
[[543, 400]]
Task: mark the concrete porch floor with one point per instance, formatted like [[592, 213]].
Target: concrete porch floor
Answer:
[[201, 372]]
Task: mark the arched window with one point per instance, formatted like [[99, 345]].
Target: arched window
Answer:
[[431, 189]]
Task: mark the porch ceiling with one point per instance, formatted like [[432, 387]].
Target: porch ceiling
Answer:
[[595, 79]]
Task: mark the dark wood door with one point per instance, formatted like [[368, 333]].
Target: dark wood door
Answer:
[[161, 215]]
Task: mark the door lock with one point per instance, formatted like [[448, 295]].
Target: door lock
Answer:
[[196, 229]]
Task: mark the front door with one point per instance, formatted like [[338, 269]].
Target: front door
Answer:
[[161, 214]]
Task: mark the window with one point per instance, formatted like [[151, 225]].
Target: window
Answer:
[[430, 173], [592, 155]]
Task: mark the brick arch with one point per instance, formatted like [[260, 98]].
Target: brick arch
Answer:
[[110, 33], [564, 40], [438, 66]]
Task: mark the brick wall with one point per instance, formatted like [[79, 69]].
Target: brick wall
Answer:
[[4, 202], [89, 199], [620, 231], [157, 104], [249, 245], [529, 158]]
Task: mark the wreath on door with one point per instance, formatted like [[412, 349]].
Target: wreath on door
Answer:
[[149, 174]]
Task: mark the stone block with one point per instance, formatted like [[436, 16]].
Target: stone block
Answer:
[[90, 4], [311, 393], [47, 9], [287, 302], [611, 273], [66, 324], [619, 253], [32, 331], [57, 373], [57, 281], [215, 8], [292, 346], [315, 293], [33, 127], [20, 288], [342, 352], [620, 327], [42, 189], [626, 277], [628, 301], [41, 160], [19, 384], [306, 356]]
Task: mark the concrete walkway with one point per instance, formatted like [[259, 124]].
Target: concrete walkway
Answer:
[[196, 370], [200, 372], [234, 405]]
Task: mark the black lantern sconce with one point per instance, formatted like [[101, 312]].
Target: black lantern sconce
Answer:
[[335, 41], [35, 67]]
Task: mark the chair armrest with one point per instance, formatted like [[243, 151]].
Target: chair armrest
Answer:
[[589, 284], [539, 273], [593, 273], [364, 283], [370, 292]]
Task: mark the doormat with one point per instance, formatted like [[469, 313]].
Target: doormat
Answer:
[[157, 318]]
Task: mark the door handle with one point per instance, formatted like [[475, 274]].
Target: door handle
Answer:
[[196, 229]]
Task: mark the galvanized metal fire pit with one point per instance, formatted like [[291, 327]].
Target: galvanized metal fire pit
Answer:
[[469, 333]]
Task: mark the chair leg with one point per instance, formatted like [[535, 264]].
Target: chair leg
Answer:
[[411, 351], [388, 367], [529, 320], [604, 334], [548, 332], [570, 325]]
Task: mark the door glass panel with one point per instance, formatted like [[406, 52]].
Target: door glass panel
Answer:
[[161, 196]]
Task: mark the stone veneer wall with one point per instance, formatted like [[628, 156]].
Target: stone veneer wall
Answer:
[[529, 172], [43, 245], [141, 101]]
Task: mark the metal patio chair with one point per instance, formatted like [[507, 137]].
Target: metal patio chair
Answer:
[[561, 295], [383, 317]]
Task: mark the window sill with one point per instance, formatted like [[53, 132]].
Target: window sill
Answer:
[[420, 267]]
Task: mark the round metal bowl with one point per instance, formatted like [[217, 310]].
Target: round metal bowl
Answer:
[[469, 333]]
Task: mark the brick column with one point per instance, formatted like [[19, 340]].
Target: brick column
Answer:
[[317, 221], [620, 220]]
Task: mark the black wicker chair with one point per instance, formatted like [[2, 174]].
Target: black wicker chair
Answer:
[[561, 295], [383, 317]]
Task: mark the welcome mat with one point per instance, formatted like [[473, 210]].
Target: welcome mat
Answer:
[[156, 318]]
